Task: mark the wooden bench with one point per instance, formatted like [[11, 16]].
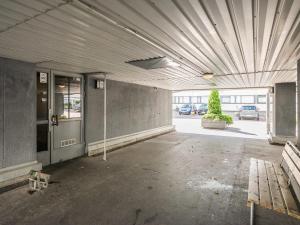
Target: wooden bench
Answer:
[[276, 186]]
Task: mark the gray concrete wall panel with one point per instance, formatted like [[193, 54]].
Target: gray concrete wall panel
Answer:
[[285, 109], [19, 108], [93, 112], [1, 114], [131, 108]]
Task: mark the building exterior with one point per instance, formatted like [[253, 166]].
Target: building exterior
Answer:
[[231, 100]]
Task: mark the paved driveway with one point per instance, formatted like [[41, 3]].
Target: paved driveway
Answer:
[[240, 128]]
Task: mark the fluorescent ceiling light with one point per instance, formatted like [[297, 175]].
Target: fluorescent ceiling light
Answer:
[[208, 76], [173, 64]]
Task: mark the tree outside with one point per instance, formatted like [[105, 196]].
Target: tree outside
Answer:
[[215, 109]]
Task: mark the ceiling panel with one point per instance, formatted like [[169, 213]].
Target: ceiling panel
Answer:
[[243, 43]]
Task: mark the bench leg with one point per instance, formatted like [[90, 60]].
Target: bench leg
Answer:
[[252, 214]]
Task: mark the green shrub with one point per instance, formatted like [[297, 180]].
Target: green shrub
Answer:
[[215, 110], [224, 117], [214, 103]]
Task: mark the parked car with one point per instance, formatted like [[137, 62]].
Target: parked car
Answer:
[[77, 107], [202, 109], [249, 112], [187, 109]]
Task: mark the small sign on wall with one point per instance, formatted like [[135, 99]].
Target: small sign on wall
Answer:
[[99, 84], [43, 78]]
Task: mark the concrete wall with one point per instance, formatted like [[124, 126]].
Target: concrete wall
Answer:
[[1, 113], [131, 108], [298, 104], [285, 109], [17, 112]]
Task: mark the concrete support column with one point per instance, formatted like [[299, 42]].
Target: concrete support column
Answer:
[[298, 103], [284, 110]]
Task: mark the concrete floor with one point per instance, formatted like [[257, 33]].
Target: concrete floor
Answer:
[[173, 179], [239, 128]]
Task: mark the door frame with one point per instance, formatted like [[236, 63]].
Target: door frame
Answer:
[[51, 107], [45, 156]]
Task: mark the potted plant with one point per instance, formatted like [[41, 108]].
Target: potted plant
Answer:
[[214, 117]]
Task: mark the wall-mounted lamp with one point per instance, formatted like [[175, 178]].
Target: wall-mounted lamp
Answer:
[[207, 76]]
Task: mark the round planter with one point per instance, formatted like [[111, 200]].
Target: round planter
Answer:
[[213, 124]]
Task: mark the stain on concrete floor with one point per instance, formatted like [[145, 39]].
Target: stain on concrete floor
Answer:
[[175, 179]]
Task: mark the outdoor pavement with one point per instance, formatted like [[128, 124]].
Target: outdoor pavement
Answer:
[[239, 128], [173, 179]]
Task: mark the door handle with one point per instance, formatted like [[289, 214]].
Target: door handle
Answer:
[[54, 120]]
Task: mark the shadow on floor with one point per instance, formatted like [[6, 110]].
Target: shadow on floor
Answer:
[[238, 130]]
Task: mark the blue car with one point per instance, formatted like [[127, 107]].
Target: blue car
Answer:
[[186, 110]]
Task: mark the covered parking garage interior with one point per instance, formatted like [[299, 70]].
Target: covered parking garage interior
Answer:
[[80, 78]]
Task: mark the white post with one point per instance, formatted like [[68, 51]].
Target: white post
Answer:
[[104, 129], [252, 213], [268, 112]]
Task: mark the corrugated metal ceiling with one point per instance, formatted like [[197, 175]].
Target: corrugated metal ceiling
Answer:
[[244, 43]]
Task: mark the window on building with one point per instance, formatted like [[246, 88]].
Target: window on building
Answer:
[[204, 99], [199, 99], [180, 99], [237, 99], [261, 99], [194, 99], [232, 99], [225, 99], [186, 99], [247, 99]]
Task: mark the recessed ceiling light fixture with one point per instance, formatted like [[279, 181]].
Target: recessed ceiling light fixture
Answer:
[[207, 76]]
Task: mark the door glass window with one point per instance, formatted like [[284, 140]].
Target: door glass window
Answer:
[[67, 97], [42, 137]]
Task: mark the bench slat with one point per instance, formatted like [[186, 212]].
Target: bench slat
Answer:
[[289, 149], [264, 190], [286, 193], [293, 155], [277, 201], [253, 195], [291, 166]]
